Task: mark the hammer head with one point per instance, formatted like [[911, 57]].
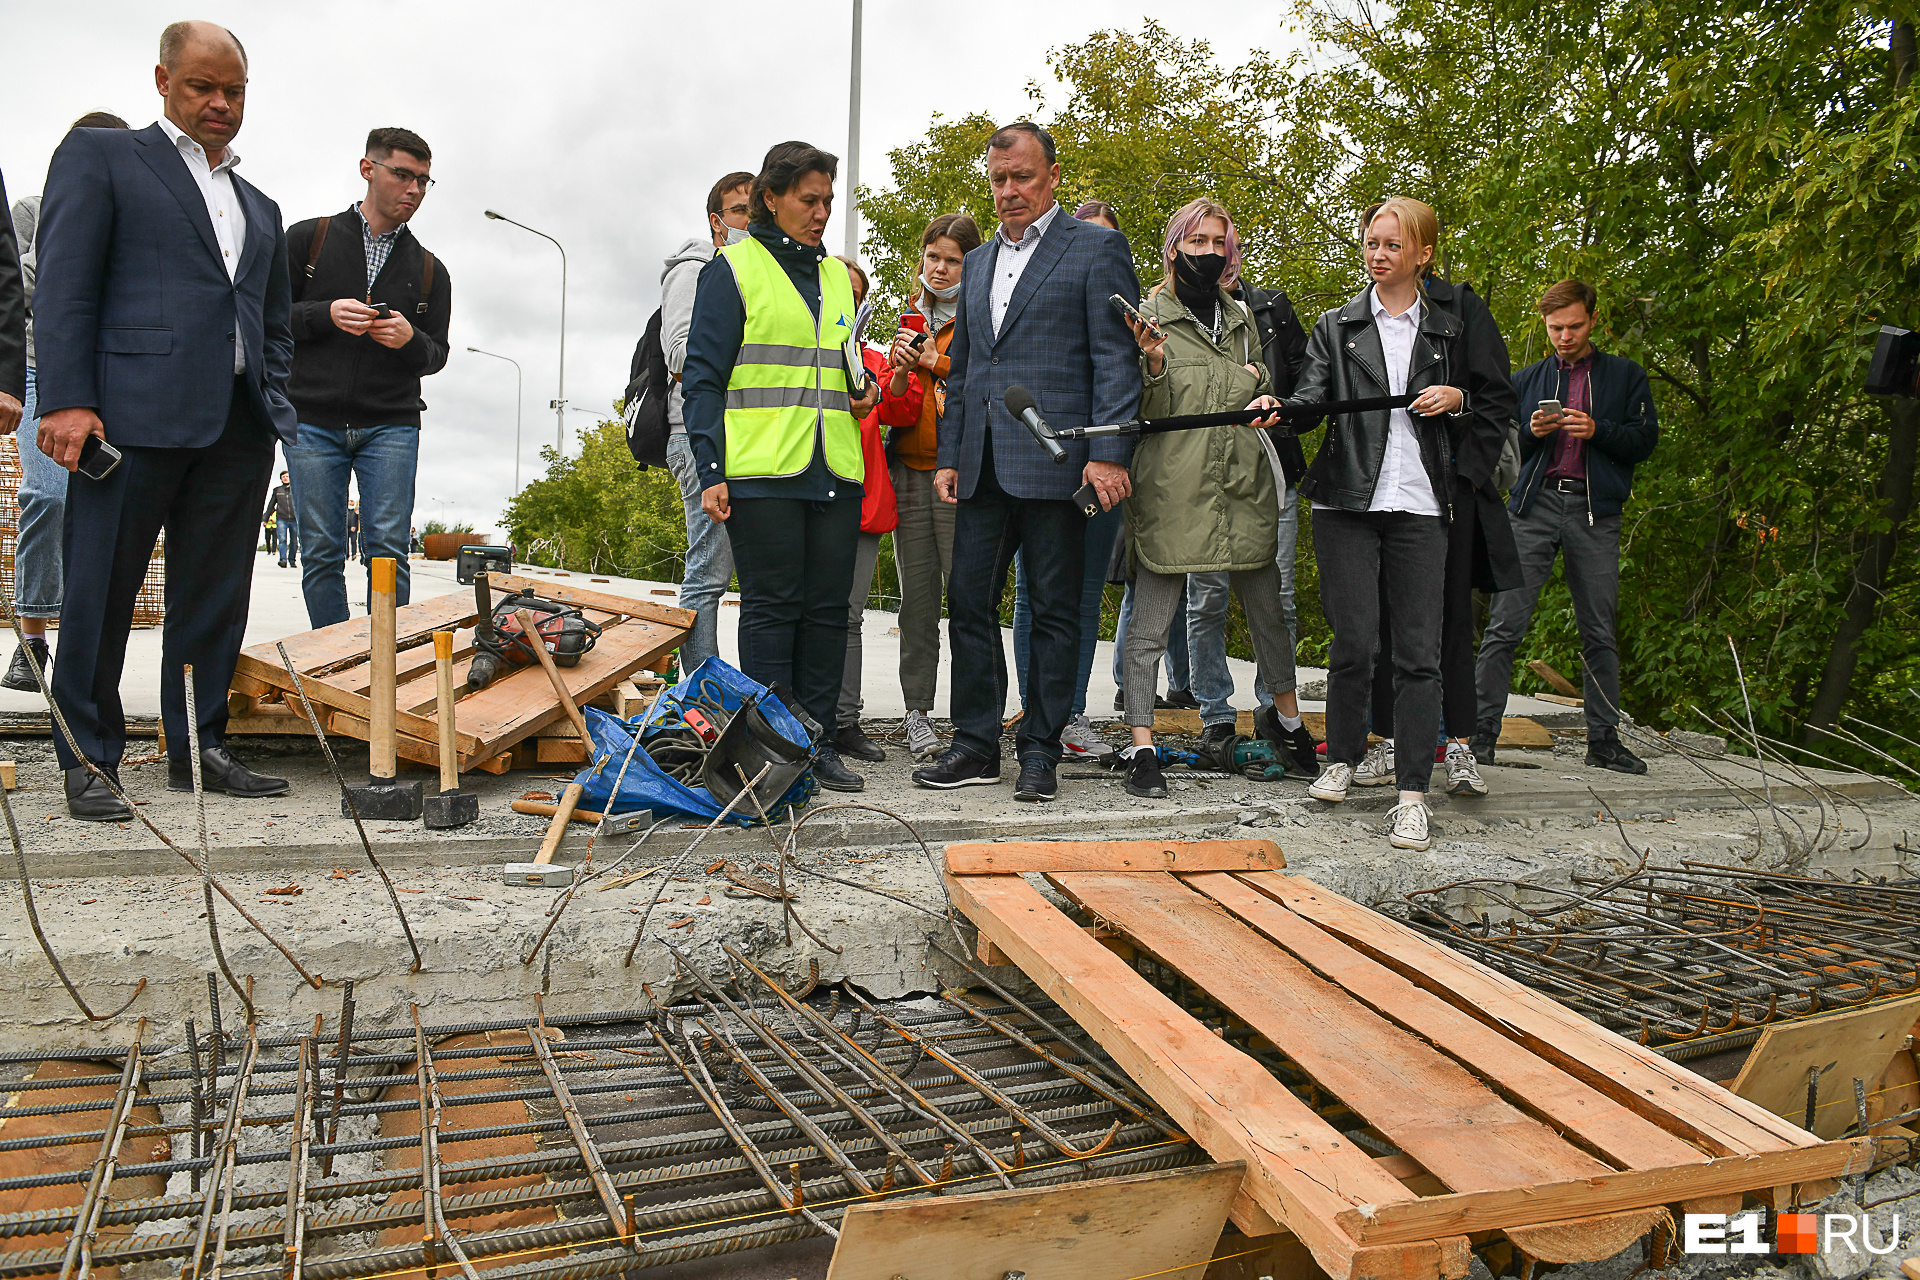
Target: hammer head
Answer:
[[450, 809], [385, 800]]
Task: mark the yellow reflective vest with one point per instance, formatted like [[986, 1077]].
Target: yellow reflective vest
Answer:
[[789, 383]]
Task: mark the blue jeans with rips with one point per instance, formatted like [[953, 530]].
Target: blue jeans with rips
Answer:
[[382, 462], [43, 514], [1207, 622], [709, 560], [1100, 533]]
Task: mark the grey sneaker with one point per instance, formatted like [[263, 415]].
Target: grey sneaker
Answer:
[[1376, 769], [922, 742], [1079, 739], [1409, 826], [1332, 783], [1463, 771]]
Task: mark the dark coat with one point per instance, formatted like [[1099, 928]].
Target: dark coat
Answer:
[[1284, 339], [13, 310], [1625, 430], [134, 314], [1491, 404]]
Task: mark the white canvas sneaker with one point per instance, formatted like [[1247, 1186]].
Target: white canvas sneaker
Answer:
[[922, 742], [1332, 783], [1463, 771], [1376, 769], [1079, 739], [1409, 826]]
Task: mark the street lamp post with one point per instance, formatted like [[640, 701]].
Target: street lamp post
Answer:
[[519, 390], [560, 403], [853, 143]]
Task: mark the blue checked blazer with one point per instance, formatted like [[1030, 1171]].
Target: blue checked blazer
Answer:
[[1062, 340]]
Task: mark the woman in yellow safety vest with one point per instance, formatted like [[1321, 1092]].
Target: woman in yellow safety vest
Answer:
[[774, 426]]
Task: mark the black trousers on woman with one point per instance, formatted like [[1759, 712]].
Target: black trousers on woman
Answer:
[[795, 561], [1458, 700]]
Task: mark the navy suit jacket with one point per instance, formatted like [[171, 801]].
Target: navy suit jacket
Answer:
[[134, 315], [1062, 340]]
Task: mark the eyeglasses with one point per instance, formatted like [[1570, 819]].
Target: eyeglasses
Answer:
[[737, 209], [407, 176]]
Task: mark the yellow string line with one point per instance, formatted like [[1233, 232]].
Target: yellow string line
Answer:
[[773, 1213]]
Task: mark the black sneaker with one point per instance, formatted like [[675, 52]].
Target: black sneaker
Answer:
[[1181, 700], [1217, 743], [1143, 774], [19, 675], [1037, 782], [1119, 699], [1298, 746], [1608, 752], [1485, 738], [958, 769], [831, 772], [851, 741], [1216, 733]]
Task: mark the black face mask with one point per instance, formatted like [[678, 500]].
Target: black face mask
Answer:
[[1199, 270]]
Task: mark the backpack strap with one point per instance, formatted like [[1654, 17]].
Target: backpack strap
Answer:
[[426, 283], [313, 249]]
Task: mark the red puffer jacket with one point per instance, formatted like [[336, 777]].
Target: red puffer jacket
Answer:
[[878, 514]]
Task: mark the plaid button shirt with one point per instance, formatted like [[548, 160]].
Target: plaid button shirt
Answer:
[[378, 248]]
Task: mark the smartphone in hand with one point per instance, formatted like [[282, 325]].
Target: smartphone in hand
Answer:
[[97, 459], [1551, 408], [381, 311]]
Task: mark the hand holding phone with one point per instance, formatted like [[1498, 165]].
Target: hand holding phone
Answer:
[[1546, 419], [97, 459], [381, 311]]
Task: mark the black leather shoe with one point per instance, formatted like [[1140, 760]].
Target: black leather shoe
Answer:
[[1037, 781], [850, 741], [19, 675], [1181, 700], [1608, 752], [1143, 774], [831, 772], [958, 769], [221, 773], [91, 800], [1485, 738]]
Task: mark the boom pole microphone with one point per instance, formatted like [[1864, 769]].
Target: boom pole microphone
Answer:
[[1020, 403]]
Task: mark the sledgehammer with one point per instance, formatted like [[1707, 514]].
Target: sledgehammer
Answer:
[[452, 807]]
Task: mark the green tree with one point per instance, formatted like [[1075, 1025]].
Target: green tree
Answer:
[[598, 513]]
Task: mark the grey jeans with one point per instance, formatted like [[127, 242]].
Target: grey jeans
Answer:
[[1557, 523], [923, 555], [1207, 622], [1156, 598], [865, 556], [709, 560]]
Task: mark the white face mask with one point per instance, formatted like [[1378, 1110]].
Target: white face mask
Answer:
[[735, 234], [947, 294]]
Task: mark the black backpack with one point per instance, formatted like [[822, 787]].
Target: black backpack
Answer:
[[647, 389]]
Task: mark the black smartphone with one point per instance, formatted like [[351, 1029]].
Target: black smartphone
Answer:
[[1133, 313], [1088, 500], [381, 310], [919, 341], [97, 459]]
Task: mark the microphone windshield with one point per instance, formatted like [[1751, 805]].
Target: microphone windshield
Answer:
[[1018, 400]]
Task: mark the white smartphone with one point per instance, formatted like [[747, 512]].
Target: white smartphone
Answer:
[[1551, 408]]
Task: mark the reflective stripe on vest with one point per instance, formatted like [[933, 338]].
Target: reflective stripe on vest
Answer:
[[788, 389]]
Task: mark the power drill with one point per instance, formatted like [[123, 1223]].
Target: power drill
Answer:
[[1254, 757]]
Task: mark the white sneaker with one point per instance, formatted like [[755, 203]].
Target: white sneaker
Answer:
[[1332, 783], [922, 742], [1409, 822], [1079, 739], [1376, 770], [1463, 771]]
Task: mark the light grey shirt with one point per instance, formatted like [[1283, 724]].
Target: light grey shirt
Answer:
[[26, 225], [223, 210], [1011, 262]]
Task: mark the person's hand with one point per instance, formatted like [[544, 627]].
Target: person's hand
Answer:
[[903, 354], [1265, 402], [946, 485], [1153, 345], [1544, 424], [11, 411], [393, 332], [1576, 424], [929, 355], [350, 315], [64, 432], [1110, 481], [714, 502], [1437, 400], [868, 398]]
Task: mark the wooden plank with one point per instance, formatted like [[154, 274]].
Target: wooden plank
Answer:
[[419, 750], [646, 610], [322, 694], [1632, 1075], [515, 706], [1561, 685], [560, 751], [1840, 1047], [1113, 855], [1301, 1172], [1105, 1229], [345, 643], [1420, 1100], [1568, 1103]]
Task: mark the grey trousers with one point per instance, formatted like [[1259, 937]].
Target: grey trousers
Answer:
[[1156, 598], [865, 556], [923, 554], [1557, 523]]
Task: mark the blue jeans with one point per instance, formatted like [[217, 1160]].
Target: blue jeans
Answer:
[[1179, 673], [709, 560], [381, 461], [290, 532], [43, 513], [1101, 531], [1207, 622]]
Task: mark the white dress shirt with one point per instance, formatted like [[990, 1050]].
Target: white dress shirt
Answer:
[[223, 211], [1011, 262], [1403, 483]]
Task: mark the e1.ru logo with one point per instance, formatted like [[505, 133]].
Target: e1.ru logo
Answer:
[[1792, 1233]]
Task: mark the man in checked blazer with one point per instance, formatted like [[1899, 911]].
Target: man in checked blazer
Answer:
[[161, 325], [1034, 312]]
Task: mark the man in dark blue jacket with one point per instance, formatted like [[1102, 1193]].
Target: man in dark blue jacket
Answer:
[[1576, 473], [161, 325]]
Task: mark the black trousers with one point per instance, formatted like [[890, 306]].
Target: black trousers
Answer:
[[208, 501], [1458, 697], [795, 561], [1360, 552], [988, 528]]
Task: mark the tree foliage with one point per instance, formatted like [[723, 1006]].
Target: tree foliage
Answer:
[[598, 513]]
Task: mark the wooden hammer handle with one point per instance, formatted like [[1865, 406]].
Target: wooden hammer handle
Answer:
[[562, 814], [443, 681], [553, 674]]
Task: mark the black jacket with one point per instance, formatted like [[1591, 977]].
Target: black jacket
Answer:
[[13, 308], [349, 380], [1284, 339], [1625, 430]]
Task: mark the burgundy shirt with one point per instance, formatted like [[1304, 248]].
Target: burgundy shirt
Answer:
[[1569, 460]]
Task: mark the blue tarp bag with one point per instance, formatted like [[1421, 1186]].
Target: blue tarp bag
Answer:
[[713, 687]]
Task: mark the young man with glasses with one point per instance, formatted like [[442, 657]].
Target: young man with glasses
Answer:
[[370, 313]]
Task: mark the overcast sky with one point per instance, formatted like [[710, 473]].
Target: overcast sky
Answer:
[[601, 124]]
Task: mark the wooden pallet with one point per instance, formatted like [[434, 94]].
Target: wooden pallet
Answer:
[[1509, 1113], [520, 705]]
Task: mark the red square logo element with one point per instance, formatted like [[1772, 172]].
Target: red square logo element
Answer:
[[1794, 1233]]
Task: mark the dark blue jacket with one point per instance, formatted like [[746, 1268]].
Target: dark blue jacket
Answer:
[[1062, 340], [1625, 430], [134, 314]]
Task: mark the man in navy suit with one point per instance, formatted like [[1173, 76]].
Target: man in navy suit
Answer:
[[161, 319], [1034, 312]]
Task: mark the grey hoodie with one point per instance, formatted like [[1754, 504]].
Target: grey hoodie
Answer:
[[677, 282]]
